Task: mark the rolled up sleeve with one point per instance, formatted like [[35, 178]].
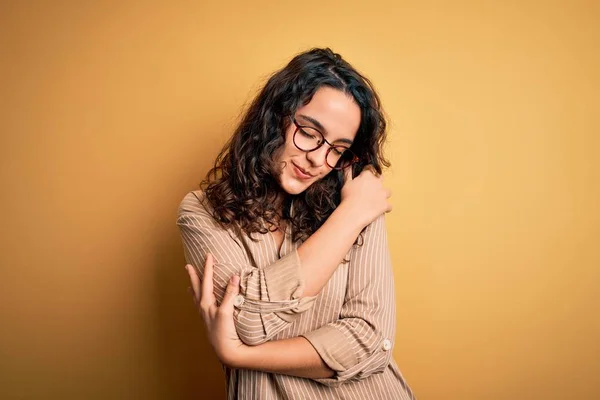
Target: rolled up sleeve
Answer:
[[270, 297], [360, 342]]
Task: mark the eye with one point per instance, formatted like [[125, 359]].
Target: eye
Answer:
[[311, 133], [306, 133], [338, 150]]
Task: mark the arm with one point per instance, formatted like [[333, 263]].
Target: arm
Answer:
[[358, 344], [301, 358], [294, 356], [364, 199], [277, 294], [323, 251]]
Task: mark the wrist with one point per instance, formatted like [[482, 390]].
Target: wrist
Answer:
[[352, 215], [241, 358]]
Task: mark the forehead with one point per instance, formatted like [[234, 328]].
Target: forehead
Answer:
[[336, 112]]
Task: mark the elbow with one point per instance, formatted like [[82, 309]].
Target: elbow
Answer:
[[250, 335], [255, 328], [377, 363], [257, 322], [342, 378], [252, 339], [378, 366]]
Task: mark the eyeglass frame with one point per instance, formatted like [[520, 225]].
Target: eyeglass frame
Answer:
[[354, 160]]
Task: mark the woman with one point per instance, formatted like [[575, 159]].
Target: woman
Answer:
[[287, 242]]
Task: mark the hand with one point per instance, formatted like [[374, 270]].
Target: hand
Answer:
[[220, 327], [365, 196]]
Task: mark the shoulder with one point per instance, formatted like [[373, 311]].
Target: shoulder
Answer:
[[194, 205], [193, 202], [198, 226], [195, 210]]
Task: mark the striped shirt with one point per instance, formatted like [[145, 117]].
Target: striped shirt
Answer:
[[350, 323]]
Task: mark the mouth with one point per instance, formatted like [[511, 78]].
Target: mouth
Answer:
[[301, 173]]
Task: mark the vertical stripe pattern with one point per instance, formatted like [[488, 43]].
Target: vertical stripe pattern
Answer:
[[351, 323]]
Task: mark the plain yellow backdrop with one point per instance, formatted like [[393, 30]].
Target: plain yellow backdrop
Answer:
[[112, 110]]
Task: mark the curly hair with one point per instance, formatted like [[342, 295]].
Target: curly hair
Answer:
[[242, 187]]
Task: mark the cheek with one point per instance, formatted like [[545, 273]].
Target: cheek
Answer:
[[288, 151], [324, 173], [282, 156]]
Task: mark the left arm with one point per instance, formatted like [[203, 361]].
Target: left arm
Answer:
[[300, 358], [359, 344]]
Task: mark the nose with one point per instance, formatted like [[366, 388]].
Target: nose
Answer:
[[317, 157]]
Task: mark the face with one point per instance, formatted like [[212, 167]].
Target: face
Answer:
[[337, 116]]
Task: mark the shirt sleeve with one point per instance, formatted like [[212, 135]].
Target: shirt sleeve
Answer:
[[360, 342], [270, 298]]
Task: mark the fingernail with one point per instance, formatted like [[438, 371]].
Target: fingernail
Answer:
[[235, 279]]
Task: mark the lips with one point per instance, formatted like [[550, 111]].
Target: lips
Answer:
[[301, 172]]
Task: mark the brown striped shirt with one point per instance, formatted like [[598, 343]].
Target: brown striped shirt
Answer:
[[351, 322]]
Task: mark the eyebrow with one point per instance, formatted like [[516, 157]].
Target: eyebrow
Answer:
[[321, 128]]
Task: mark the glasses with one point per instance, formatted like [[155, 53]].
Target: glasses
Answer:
[[307, 138]]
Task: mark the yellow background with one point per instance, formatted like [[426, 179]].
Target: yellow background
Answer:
[[112, 111]]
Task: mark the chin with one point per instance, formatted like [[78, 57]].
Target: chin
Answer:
[[291, 185]]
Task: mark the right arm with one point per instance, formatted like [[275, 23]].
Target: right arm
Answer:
[[363, 200], [323, 251], [277, 294], [273, 295]]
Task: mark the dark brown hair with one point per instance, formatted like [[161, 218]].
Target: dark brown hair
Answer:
[[242, 187]]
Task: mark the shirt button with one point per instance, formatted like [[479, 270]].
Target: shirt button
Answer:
[[238, 300], [387, 344]]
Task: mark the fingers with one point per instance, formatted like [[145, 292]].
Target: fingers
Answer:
[[208, 298], [233, 288], [195, 283]]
